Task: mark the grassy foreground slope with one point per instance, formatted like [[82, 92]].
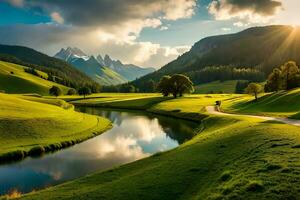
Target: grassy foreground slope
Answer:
[[233, 158], [280, 104], [29, 124], [13, 79]]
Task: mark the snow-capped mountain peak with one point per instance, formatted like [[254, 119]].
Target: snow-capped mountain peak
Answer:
[[71, 53]]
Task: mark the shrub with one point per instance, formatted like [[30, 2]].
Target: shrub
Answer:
[[55, 91], [71, 91], [255, 186], [37, 151]]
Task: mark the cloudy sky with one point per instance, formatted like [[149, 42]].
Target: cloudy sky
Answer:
[[149, 33]]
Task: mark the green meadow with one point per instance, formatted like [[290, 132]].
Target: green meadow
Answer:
[[231, 157]]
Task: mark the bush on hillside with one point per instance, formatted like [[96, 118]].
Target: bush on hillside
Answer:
[[55, 91], [71, 91]]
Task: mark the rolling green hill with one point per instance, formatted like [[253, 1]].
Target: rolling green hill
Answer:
[[259, 48], [30, 57], [13, 79], [49, 124], [282, 104]]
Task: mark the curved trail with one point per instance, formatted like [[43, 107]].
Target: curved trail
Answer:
[[212, 110]]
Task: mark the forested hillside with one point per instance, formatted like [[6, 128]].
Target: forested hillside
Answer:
[[252, 53]]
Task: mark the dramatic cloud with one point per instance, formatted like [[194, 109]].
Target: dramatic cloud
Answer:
[[250, 10], [107, 12], [50, 38], [101, 26]]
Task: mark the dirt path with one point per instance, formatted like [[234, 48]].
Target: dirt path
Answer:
[[212, 110]]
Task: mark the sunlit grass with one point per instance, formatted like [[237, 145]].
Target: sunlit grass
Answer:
[[28, 122], [13, 79]]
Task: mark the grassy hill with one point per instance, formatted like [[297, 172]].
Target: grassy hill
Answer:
[[282, 104], [227, 87], [32, 123], [229, 158], [13, 79]]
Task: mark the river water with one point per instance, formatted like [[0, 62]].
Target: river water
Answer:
[[135, 135]]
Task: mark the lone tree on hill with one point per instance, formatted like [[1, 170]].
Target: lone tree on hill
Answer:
[[254, 89], [84, 91], [176, 85], [55, 91], [181, 84]]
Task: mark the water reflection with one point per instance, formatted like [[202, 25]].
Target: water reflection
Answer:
[[134, 136]]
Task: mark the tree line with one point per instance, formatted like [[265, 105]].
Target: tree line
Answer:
[[285, 77], [224, 73]]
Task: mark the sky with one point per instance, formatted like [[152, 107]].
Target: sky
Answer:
[[148, 33]]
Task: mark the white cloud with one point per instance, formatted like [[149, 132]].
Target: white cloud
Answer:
[[226, 29], [178, 9], [254, 11], [57, 17]]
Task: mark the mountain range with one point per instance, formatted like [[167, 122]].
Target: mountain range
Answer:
[[258, 48], [105, 71]]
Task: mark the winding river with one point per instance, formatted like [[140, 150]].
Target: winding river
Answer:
[[135, 135]]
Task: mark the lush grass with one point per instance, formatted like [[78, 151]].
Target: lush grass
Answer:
[[232, 158], [191, 107], [217, 87], [13, 79], [281, 104], [27, 123], [121, 101]]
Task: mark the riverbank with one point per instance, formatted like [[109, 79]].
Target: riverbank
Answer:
[[233, 158], [31, 126]]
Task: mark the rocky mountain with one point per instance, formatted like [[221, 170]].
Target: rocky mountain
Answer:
[[258, 48], [103, 70], [129, 71], [71, 54]]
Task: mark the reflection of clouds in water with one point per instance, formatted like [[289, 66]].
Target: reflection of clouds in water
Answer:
[[132, 137], [123, 141]]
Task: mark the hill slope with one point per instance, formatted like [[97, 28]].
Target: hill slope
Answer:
[[262, 48], [13, 79], [46, 63]]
